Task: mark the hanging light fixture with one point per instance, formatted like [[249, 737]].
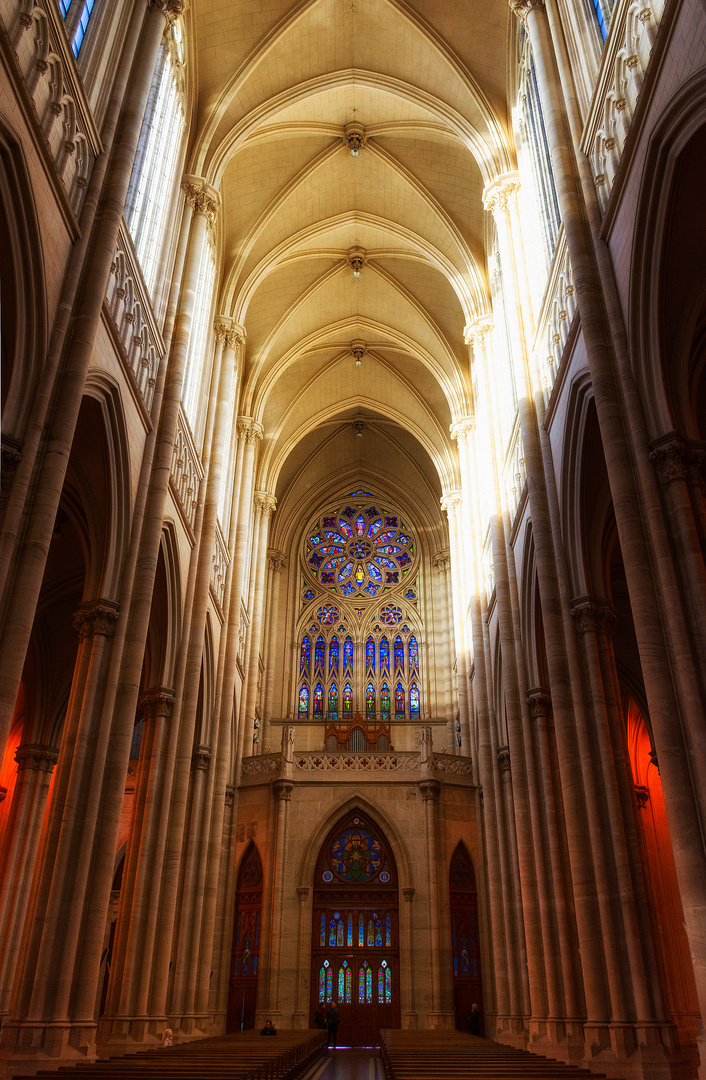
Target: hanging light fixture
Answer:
[[356, 258], [354, 138]]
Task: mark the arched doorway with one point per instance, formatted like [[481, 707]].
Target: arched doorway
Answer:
[[355, 934], [242, 994], [465, 946]]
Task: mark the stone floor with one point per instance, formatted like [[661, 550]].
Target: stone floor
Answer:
[[348, 1065]]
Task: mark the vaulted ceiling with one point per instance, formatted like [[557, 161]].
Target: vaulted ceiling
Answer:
[[281, 88]]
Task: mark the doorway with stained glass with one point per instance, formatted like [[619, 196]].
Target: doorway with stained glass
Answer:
[[355, 950]]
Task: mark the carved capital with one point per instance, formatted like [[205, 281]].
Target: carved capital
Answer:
[[475, 333], [96, 617], [154, 703], [36, 757], [463, 429], [283, 790], [249, 429], [442, 561], [201, 197], [501, 193], [642, 794], [452, 502], [504, 758], [11, 457], [171, 9], [201, 758], [429, 790], [277, 560], [522, 8], [264, 503], [408, 894], [540, 702], [670, 457], [302, 892], [593, 616], [230, 794]]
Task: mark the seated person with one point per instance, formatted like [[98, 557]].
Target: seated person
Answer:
[[268, 1028]]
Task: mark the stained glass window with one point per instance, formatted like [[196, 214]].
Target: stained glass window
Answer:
[[318, 702], [370, 654], [365, 983], [385, 703], [345, 981], [370, 700], [349, 984], [347, 653], [356, 855], [329, 985], [388, 929], [328, 614], [332, 933], [384, 655], [371, 932], [399, 654], [388, 984], [319, 653], [391, 614], [305, 657], [304, 702], [378, 932], [413, 654], [333, 656], [361, 930], [323, 929], [399, 702], [381, 985], [322, 983], [414, 702], [359, 551], [350, 930], [368, 985], [333, 702], [347, 700], [339, 932]]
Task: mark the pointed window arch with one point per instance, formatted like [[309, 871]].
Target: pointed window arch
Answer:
[[384, 655], [399, 702], [304, 702], [399, 655], [319, 652], [370, 654], [333, 656], [318, 702], [370, 700]]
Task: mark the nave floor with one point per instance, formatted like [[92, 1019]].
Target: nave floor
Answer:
[[348, 1065]]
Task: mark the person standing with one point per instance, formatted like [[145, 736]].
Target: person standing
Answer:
[[332, 1022], [474, 1020]]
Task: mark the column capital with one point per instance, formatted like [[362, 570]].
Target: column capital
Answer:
[[593, 616], [201, 197], [501, 192], [96, 617], [408, 894], [540, 702], [452, 502], [36, 757], [302, 892], [157, 702], [201, 758], [230, 794], [461, 430], [171, 9], [283, 790], [249, 429], [475, 333], [675, 459], [430, 790], [264, 503], [504, 758], [522, 8], [277, 560], [442, 560]]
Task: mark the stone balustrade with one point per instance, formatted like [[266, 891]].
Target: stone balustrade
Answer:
[[313, 765], [554, 321], [514, 475], [187, 472], [219, 568]]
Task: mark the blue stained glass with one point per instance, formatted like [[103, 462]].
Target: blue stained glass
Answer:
[[329, 523], [315, 539], [348, 589], [82, 25], [323, 930], [388, 549], [601, 21], [372, 588], [329, 985], [347, 700], [404, 559], [339, 933], [455, 965], [349, 984], [370, 700], [331, 564], [341, 983], [346, 571], [361, 984], [335, 538], [392, 578], [361, 929], [356, 856], [388, 930], [386, 563], [375, 528], [304, 702], [374, 572], [333, 702], [64, 6], [369, 985], [414, 702], [328, 549], [388, 986], [327, 579], [384, 654], [345, 528], [385, 702], [318, 702], [391, 522], [402, 539], [319, 653], [347, 653], [381, 985], [360, 525], [378, 932], [350, 930], [316, 560], [371, 512], [333, 656], [322, 984], [305, 657], [399, 702], [413, 654], [348, 512], [332, 933], [370, 654], [399, 654]]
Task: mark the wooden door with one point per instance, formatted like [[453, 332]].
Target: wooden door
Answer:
[[355, 940], [465, 944], [242, 992]]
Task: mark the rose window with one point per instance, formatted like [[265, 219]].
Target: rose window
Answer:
[[361, 550]]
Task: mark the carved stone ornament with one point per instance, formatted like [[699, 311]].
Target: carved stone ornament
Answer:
[[277, 560], [230, 794], [522, 8], [11, 457], [36, 757], [249, 429], [201, 758], [675, 459], [408, 894], [463, 429], [264, 503], [202, 198], [593, 616], [442, 561], [429, 790], [171, 9], [540, 702], [476, 332], [501, 193], [504, 758], [283, 790], [96, 617], [642, 794], [452, 502], [302, 892], [154, 703]]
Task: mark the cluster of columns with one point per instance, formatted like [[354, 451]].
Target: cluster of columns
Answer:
[[59, 866], [573, 956]]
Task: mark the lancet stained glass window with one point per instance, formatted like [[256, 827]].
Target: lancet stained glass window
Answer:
[[399, 702], [370, 700], [385, 703], [413, 654], [319, 653], [399, 654], [347, 654], [304, 702], [414, 702], [305, 657], [333, 702], [370, 654], [318, 702], [347, 700], [333, 656], [384, 655]]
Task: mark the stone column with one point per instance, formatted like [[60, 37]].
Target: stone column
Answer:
[[18, 857], [264, 508], [276, 561], [429, 790], [301, 1005], [441, 561], [410, 1018], [282, 790], [59, 434], [671, 682], [452, 503]]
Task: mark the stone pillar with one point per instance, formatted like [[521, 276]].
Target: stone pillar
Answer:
[[18, 857], [301, 1017], [276, 562], [282, 790], [452, 503], [410, 1018], [58, 437], [429, 790], [264, 508], [441, 561]]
